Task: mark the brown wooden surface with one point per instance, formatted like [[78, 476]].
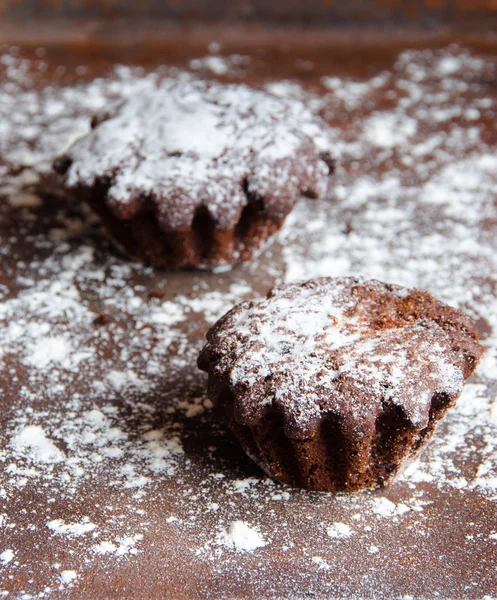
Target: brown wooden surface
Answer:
[[426, 13], [442, 550]]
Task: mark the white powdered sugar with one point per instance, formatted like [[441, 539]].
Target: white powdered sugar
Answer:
[[339, 530], [187, 144], [60, 527], [296, 348], [112, 461], [6, 556], [53, 117], [387, 130], [119, 547], [241, 536], [68, 576], [33, 442], [383, 507]]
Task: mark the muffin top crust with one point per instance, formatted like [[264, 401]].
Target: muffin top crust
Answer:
[[341, 346], [187, 144]]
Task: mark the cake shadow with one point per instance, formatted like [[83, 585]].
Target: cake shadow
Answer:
[[209, 443]]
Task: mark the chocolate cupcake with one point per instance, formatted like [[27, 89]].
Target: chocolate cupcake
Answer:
[[198, 174], [333, 384]]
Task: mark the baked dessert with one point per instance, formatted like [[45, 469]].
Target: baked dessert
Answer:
[[333, 383], [196, 173]]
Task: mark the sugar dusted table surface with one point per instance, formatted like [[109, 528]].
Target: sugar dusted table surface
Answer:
[[117, 478]]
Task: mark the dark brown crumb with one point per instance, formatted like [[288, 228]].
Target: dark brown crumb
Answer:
[[102, 319]]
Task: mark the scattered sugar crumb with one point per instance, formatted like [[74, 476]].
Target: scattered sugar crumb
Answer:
[[383, 507], [6, 556], [71, 529], [105, 548], [32, 440], [387, 130], [322, 564], [120, 546], [339, 530], [68, 576], [241, 536]]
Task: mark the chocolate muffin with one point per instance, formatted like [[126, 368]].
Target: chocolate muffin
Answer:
[[195, 173], [332, 384]]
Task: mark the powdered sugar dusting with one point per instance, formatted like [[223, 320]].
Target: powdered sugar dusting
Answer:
[[137, 450], [31, 440], [67, 576], [60, 527], [6, 556], [339, 530], [242, 537], [187, 144], [389, 130], [296, 349]]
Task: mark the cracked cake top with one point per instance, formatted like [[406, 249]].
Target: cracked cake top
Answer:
[[185, 144], [343, 346]]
